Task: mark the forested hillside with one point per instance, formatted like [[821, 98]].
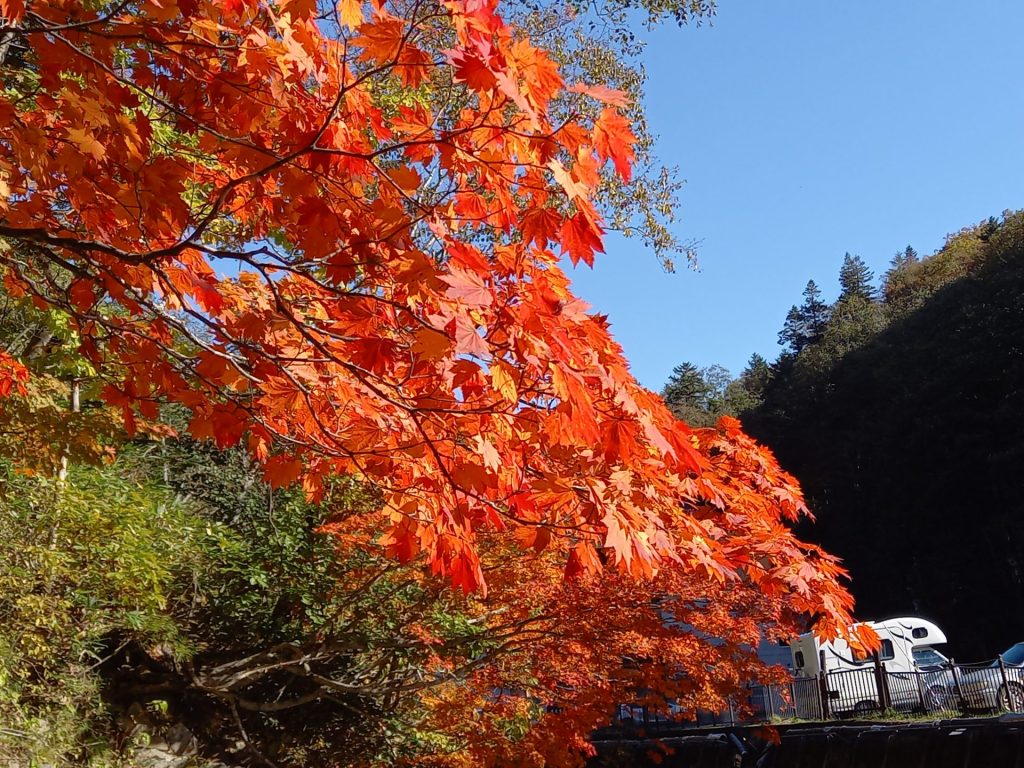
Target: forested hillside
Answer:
[[901, 411]]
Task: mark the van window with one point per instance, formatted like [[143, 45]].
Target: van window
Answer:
[[919, 632], [885, 653], [798, 657]]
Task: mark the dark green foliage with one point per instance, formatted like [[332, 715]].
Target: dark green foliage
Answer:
[[855, 279], [698, 396], [908, 437], [276, 589], [805, 324], [854, 321], [756, 377], [747, 391], [686, 386], [275, 573]]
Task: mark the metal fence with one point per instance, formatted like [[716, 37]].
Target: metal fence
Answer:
[[950, 690]]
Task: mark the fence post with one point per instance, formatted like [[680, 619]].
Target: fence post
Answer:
[[1002, 669], [823, 684], [1006, 683], [792, 699], [920, 691], [880, 682], [960, 703], [886, 693], [823, 693], [732, 715]]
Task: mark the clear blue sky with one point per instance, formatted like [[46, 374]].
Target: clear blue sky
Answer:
[[804, 130]]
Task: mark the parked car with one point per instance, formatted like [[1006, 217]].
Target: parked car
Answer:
[[983, 686]]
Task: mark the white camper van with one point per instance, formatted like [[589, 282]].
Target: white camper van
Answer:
[[851, 680]]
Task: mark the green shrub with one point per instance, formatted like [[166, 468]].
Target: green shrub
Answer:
[[85, 565]]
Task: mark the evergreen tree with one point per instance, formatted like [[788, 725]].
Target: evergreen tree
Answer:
[[716, 380], [685, 387], [805, 324], [698, 396], [746, 392], [855, 321], [905, 258], [816, 312], [792, 334], [898, 283], [756, 376], [855, 279]]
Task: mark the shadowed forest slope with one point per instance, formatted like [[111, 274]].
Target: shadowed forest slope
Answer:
[[910, 444], [901, 410]]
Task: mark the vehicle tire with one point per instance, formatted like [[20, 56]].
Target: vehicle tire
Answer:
[[1011, 697], [866, 707], [937, 697]]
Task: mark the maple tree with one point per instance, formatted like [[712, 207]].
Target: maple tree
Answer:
[[39, 369], [272, 215], [563, 654]]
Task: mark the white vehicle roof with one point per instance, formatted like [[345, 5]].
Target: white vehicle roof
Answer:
[[916, 630]]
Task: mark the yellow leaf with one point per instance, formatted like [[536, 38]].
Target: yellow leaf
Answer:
[[503, 381], [351, 13]]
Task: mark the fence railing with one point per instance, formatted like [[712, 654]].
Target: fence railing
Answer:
[[950, 690]]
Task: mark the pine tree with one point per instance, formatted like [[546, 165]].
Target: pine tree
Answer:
[[685, 387], [756, 376], [816, 312], [746, 392], [855, 279], [899, 262], [805, 324], [698, 395], [898, 284], [792, 334]]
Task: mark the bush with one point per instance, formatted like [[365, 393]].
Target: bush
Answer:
[[86, 565]]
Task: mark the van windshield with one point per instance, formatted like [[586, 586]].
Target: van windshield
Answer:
[[928, 657]]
